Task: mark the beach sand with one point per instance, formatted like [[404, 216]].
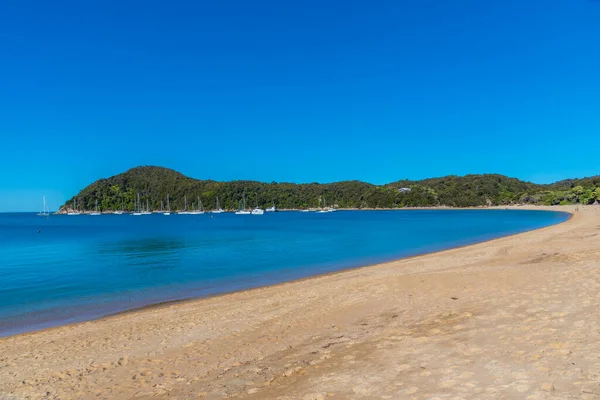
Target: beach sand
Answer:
[[513, 318]]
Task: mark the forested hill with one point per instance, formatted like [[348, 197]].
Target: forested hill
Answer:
[[154, 183]]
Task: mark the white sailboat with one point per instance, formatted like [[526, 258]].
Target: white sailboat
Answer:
[[200, 209], [96, 211], [168, 212], [137, 208], [120, 212], [147, 210], [218, 210], [242, 208], [330, 209], [185, 211], [272, 208], [323, 209], [45, 211], [74, 212]]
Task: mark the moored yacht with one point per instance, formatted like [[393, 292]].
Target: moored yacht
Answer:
[[168, 211], [147, 210], [218, 209], [242, 208], [122, 210], [45, 212], [200, 209], [96, 211], [185, 211], [325, 208], [74, 211], [258, 211], [137, 209]]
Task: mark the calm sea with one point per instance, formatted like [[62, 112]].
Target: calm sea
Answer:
[[65, 269]]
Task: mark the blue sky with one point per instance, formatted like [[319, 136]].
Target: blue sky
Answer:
[[295, 91]]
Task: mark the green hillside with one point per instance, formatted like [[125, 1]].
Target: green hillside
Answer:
[[154, 183]]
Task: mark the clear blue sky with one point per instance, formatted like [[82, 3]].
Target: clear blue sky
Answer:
[[295, 91]]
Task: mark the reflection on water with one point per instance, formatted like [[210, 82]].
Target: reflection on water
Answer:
[[158, 253]]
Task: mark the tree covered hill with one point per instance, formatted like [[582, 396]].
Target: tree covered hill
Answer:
[[154, 183]]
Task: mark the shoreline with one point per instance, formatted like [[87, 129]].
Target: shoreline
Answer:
[[191, 300], [440, 207], [433, 325], [165, 304]]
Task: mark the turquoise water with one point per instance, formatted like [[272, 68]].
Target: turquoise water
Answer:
[[65, 269]]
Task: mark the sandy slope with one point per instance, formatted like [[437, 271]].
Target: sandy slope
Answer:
[[517, 317]]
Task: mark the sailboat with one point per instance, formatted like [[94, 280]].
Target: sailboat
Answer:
[[218, 210], [45, 211], [185, 211], [96, 211], [147, 211], [74, 212], [331, 209], [272, 208], [137, 208], [200, 209], [119, 212], [242, 208], [168, 212], [323, 209]]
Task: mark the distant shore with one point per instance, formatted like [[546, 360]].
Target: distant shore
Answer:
[[146, 187], [513, 206], [425, 322]]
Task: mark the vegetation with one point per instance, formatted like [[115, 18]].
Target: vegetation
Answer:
[[154, 183]]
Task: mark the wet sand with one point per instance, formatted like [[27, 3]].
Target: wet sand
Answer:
[[516, 317]]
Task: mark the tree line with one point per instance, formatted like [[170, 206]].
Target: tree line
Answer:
[[153, 184]]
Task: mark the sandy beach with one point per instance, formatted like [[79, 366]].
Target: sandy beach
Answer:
[[513, 318]]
